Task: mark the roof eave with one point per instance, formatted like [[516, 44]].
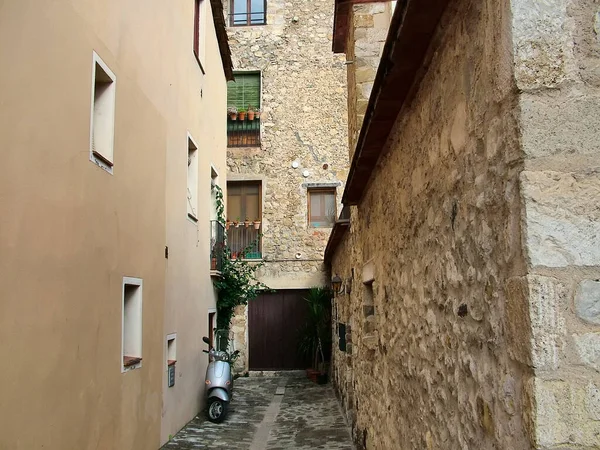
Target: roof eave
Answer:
[[221, 30], [411, 32]]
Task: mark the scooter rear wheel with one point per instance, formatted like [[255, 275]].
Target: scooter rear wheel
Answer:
[[216, 410]]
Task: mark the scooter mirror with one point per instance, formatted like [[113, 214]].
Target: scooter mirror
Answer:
[[206, 340]]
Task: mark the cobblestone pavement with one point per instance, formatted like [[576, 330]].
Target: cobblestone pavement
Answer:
[[307, 416]]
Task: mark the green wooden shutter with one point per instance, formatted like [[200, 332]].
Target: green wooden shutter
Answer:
[[244, 91]]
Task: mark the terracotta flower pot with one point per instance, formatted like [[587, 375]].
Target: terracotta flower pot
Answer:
[[233, 116], [242, 115], [312, 374], [250, 115], [247, 223], [213, 264], [256, 225]]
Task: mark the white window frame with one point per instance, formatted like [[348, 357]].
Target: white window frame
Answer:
[[139, 283], [192, 180], [104, 160], [170, 337]]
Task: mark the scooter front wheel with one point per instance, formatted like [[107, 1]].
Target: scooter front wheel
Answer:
[[216, 410]]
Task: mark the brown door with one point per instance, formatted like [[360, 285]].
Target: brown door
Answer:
[[274, 320]]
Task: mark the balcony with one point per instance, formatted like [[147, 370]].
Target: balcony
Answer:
[[217, 245], [243, 133], [244, 240]]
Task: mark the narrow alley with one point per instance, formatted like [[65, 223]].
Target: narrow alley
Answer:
[[271, 413]]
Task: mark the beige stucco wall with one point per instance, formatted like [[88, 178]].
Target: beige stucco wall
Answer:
[[189, 289], [70, 232], [435, 356]]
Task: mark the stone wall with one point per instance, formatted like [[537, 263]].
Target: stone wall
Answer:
[[439, 345], [304, 120], [557, 71], [369, 23]]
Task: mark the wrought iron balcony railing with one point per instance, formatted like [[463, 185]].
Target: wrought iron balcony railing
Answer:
[[243, 133], [244, 241], [217, 245]]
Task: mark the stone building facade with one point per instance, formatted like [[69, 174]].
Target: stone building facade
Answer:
[[469, 311], [303, 138]]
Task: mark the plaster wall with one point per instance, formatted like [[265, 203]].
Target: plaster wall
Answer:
[[435, 258], [189, 294], [304, 120], [70, 231]]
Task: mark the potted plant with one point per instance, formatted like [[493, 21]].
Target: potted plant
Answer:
[[256, 224], [236, 222], [232, 111], [247, 222], [315, 334], [227, 224], [251, 112], [213, 263], [242, 113], [257, 113]]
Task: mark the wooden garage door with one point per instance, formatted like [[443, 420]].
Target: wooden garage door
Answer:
[[273, 323]]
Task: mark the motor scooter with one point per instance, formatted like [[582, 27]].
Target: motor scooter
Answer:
[[219, 381]]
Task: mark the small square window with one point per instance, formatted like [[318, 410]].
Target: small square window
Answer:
[[248, 12], [171, 359], [192, 180], [321, 208], [131, 343], [102, 129]]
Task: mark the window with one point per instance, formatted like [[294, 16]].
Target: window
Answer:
[[248, 12], [131, 342], [214, 183], [199, 31], [244, 219], [243, 94], [192, 180], [212, 314], [321, 208], [102, 127], [171, 359]]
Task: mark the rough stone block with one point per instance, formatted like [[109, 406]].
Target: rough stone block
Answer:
[[517, 320], [540, 41], [363, 21], [370, 341], [547, 296], [587, 301], [562, 218], [566, 414], [561, 123], [588, 349]]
